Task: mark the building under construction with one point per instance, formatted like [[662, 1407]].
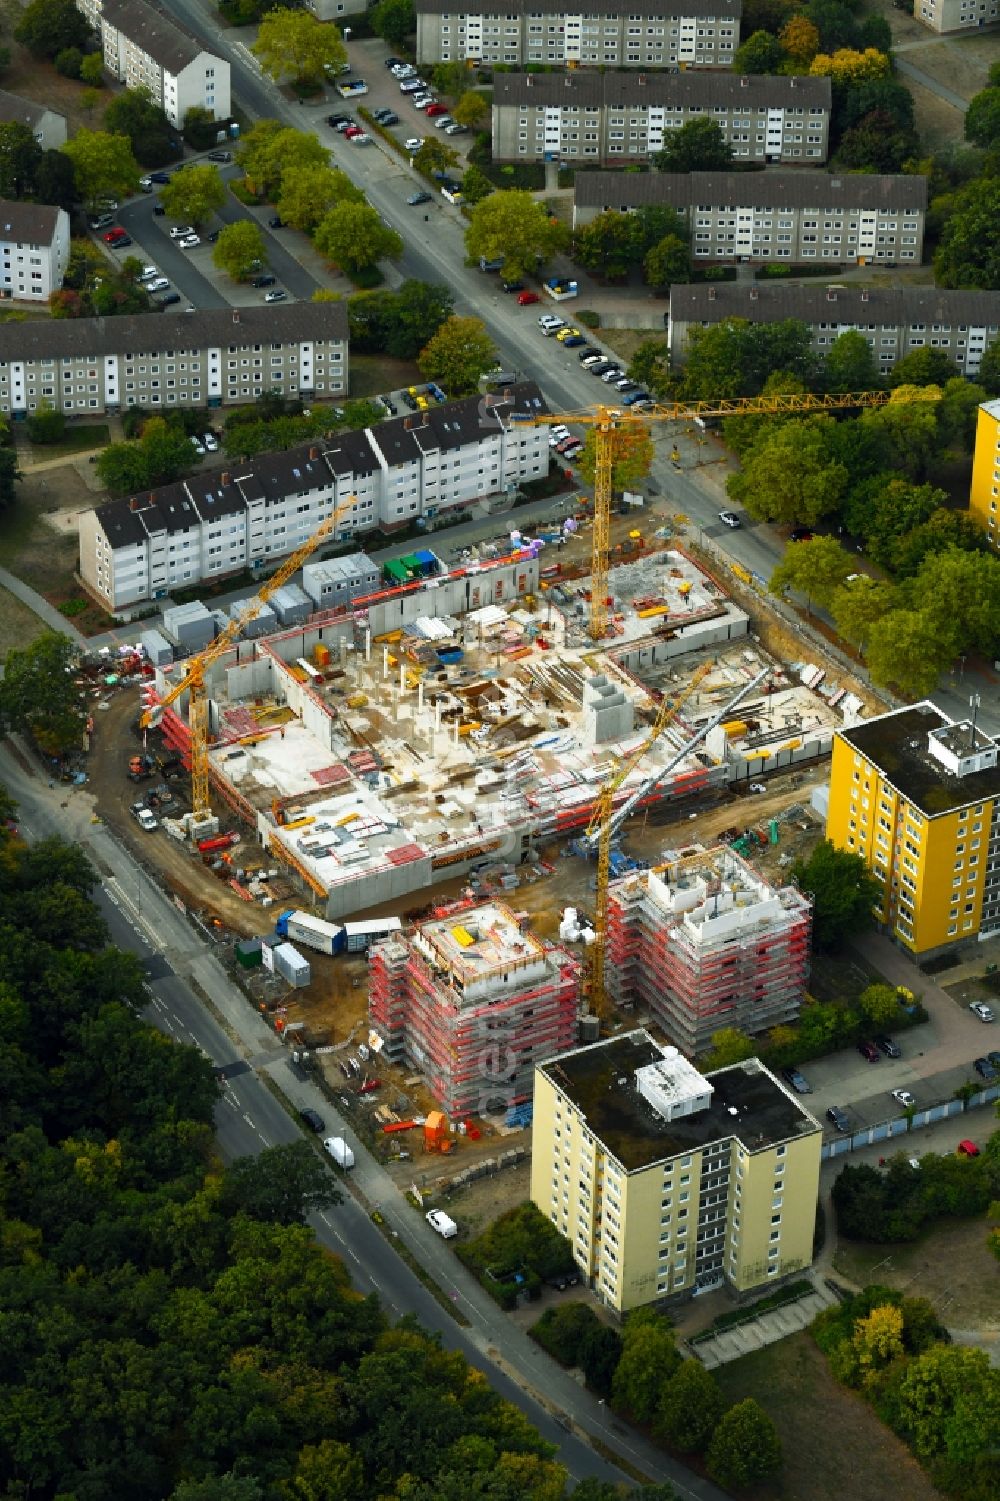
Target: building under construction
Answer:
[[474, 1000], [706, 942]]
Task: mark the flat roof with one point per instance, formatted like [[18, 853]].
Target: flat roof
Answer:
[[481, 941], [600, 1081], [897, 744]]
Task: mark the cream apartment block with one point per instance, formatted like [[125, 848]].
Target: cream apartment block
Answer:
[[34, 250], [251, 514], [145, 48], [627, 116], [957, 15], [894, 320], [615, 34], [668, 1182], [47, 127], [758, 216], [221, 356]]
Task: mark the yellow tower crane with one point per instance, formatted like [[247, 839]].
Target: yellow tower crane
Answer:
[[605, 821], [193, 680], [609, 422]]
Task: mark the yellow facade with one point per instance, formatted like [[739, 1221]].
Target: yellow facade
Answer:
[[933, 866], [984, 496], [635, 1233]]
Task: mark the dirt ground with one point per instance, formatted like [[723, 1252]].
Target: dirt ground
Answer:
[[951, 1265], [19, 626], [958, 63]]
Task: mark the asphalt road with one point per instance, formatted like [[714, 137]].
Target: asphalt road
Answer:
[[249, 1118]]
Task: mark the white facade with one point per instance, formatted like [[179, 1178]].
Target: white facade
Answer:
[[34, 250], [957, 15], [144, 48], [250, 515], [47, 127]]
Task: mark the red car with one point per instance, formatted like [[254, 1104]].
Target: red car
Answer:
[[525, 299], [113, 236], [436, 109], [352, 131]]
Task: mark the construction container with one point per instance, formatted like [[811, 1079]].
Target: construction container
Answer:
[[157, 648], [249, 953], [395, 572], [590, 1028], [430, 564], [321, 654], [291, 965], [262, 622], [291, 604], [191, 626]]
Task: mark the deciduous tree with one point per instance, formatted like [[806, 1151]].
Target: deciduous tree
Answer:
[[669, 261], [38, 696], [922, 367], [816, 568], [729, 1045], [950, 1402], [310, 192], [49, 26], [969, 252], [648, 1361], [738, 358], [435, 156], [136, 115], [103, 165], [20, 157], [470, 108], [745, 1448], [239, 250], [849, 364], [760, 53], [395, 21], [789, 475], [847, 65], [906, 652], [270, 149], [857, 605], [698, 146], [194, 193], [982, 118], [294, 44], [610, 244], [843, 892], [162, 454], [800, 40], [354, 237], [691, 1405], [650, 366], [457, 355], [632, 455], [511, 226], [989, 370], [880, 1004], [92, 70], [282, 1185]]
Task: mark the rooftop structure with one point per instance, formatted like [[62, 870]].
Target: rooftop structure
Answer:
[[474, 1000], [668, 1181], [917, 795], [893, 320], [707, 943]]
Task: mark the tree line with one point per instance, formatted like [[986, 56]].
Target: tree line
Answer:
[[170, 1326]]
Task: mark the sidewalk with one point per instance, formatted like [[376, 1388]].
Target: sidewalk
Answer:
[[40, 607]]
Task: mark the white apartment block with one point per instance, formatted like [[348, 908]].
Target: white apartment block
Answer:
[[222, 356], [145, 48], [956, 15], [251, 514], [47, 127], [758, 216], [616, 34], [624, 116], [34, 250], [894, 320]]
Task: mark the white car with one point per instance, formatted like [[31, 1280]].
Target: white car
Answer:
[[361, 139], [423, 101], [148, 273], [189, 242], [197, 445], [413, 86], [442, 1223], [413, 144], [211, 442], [157, 284], [903, 1097], [548, 323], [730, 518], [454, 129], [980, 1009], [146, 184], [181, 231], [403, 71], [442, 122]]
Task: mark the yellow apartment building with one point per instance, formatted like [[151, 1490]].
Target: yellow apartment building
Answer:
[[918, 795], [669, 1182], [984, 497]]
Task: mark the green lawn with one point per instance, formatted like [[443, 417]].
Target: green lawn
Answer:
[[835, 1448], [950, 1264], [74, 440]]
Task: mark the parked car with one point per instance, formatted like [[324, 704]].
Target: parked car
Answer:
[[338, 120], [615, 373], [566, 333], [442, 122], [159, 177], [888, 1047], [278, 295], [352, 131], [985, 1069], [148, 273], [527, 299], [415, 199], [393, 62], [386, 117], [967, 1148], [800, 534], [159, 210], [114, 235], [588, 352], [189, 242], [436, 109], [267, 280], [442, 1223], [454, 129], [197, 445], [122, 242], [839, 1118], [146, 184], [101, 221], [211, 442], [158, 284], [869, 1051], [220, 156], [275, 222], [980, 1009], [561, 1280], [313, 1119], [413, 86], [903, 1097], [168, 299], [730, 519], [797, 1080], [412, 144], [181, 231]]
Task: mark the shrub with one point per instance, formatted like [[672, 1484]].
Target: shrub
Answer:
[[68, 62]]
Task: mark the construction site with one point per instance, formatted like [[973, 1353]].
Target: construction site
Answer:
[[456, 724]]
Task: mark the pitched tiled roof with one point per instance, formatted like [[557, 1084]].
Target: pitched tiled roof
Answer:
[[158, 35], [790, 189], [842, 304], [26, 224], [723, 9]]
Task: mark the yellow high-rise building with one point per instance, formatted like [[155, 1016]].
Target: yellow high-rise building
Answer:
[[918, 795], [667, 1181], [984, 497]]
